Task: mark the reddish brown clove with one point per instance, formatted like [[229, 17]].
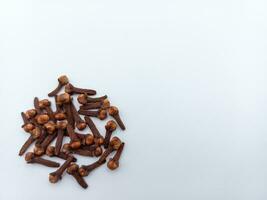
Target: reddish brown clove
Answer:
[[114, 144], [114, 112], [31, 158], [62, 80], [110, 127], [96, 105], [57, 175], [73, 170], [100, 114], [113, 163], [69, 88], [85, 170], [83, 99]]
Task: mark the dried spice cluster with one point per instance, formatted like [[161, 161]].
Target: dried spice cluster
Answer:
[[45, 125]]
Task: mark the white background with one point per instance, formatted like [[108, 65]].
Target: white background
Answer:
[[188, 76]]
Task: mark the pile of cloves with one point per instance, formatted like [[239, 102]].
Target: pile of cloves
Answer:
[[46, 126]]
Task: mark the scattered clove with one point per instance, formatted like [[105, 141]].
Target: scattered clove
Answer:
[[114, 112], [69, 88], [113, 163], [62, 80], [57, 175], [73, 170], [31, 158], [100, 114]]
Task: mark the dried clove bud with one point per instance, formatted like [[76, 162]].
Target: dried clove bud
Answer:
[[114, 112], [73, 170], [83, 99], [96, 105], [85, 170], [57, 175], [69, 88], [100, 114], [110, 127], [113, 163], [62, 80], [31, 158]]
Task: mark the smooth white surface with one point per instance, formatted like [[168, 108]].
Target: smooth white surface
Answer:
[[188, 76]]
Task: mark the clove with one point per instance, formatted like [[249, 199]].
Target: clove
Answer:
[[73, 170], [69, 88], [113, 163], [85, 170], [100, 114], [110, 127], [114, 112], [31, 158], [83, 99], [57, 175], [62, 80]]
